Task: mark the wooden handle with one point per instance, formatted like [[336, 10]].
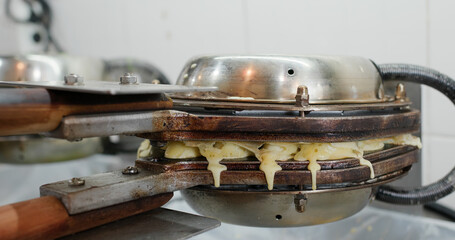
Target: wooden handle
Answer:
[[47, 218], [30, 111]]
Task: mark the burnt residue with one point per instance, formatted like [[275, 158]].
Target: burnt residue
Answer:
[[280, 137], [176, 125]]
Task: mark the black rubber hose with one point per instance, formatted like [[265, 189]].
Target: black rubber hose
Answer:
[[442, 210], [444, 84], [421, 75]]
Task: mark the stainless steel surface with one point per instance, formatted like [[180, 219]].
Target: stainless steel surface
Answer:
[[35, 149], [128, 78], [160, 223], [111, 88], [86, 126], [50, 71], [53, 68], [330, 79], [277, 209], [74, 79], [38, 68], [145, 72], [370, 223], [50, 68]]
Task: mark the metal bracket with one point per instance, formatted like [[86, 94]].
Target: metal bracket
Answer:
[[110, 88], [174, 122], [155, 177], [302, 98], [300, 201]]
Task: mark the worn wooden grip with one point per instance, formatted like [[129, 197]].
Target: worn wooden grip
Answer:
[[29, 111], [47, 218], [25, 111], [36, 218]]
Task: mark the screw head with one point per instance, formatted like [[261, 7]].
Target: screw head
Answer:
[[130, 170], [128, 78], [73, 79], [156, 81], [76, 182]]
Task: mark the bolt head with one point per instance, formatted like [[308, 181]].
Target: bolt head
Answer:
[[300, 201], [302, 97], [130, 170], [73, 79], [128, 78], [76, 182], [400, 92]]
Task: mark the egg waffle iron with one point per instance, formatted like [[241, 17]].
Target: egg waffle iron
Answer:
[[265, 99], [343, 100]]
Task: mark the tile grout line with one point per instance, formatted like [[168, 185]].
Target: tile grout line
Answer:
[[426, 168]]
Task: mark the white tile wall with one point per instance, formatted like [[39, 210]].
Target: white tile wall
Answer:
[[385, 31], [436, 158], [16, 39], [168, 33], [8, 31], [437, 111], [440, 112]]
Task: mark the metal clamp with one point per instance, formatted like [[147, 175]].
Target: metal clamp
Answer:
[[300, 201], [302, 98]]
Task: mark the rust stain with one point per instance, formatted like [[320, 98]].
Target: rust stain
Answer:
[[138, 193], [247, 172], [173, 125]]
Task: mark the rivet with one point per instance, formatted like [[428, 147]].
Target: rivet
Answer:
[[130, 170], [76, 182]]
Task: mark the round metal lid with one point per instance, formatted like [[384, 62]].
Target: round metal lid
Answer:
[[275, 79]]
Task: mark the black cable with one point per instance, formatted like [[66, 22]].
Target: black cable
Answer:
[[442, 210], [43, 19], [421, 75], [444, 84]]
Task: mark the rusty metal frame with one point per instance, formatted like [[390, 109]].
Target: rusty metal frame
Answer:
[[111, 188], [291, 106], [168, 125]]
